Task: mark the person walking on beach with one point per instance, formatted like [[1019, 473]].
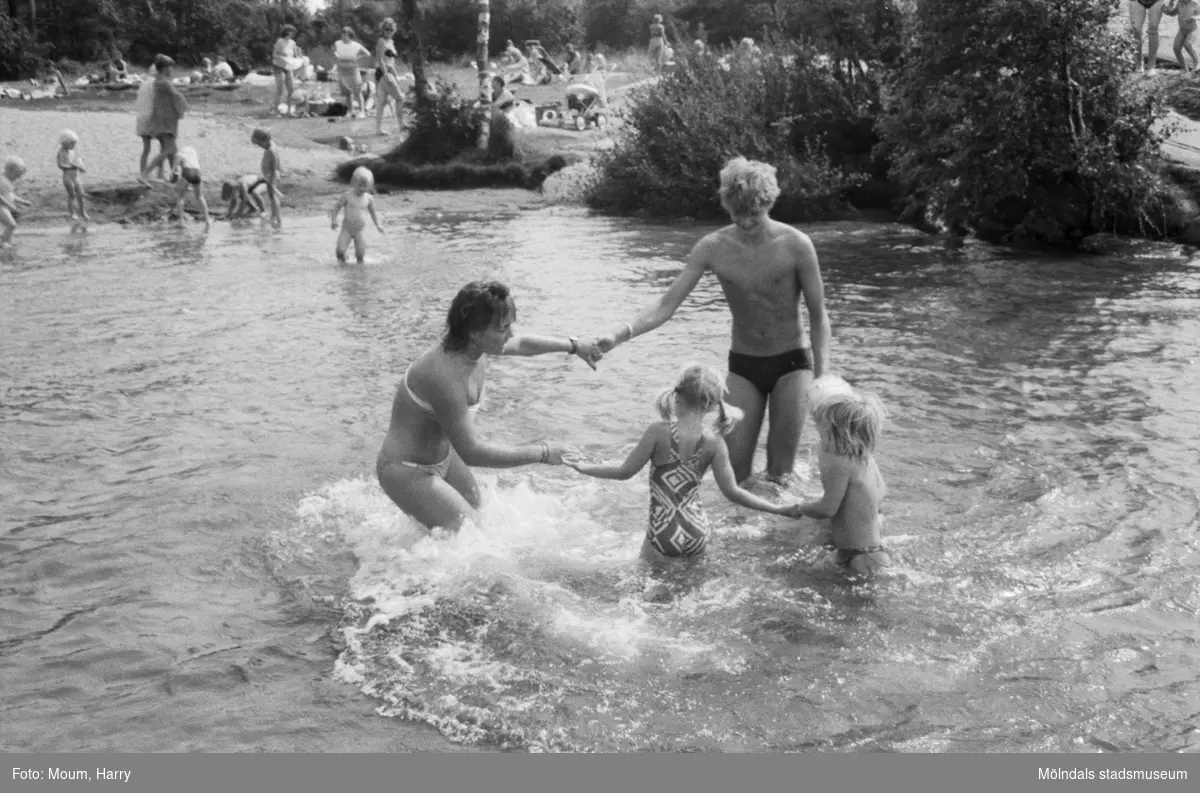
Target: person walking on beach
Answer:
[[658, 42], [1148, 14], [71, 165], [387, 79], [680, 449], [284, 60], [432, 439], [350, 53], [166, 109], [765, 269]]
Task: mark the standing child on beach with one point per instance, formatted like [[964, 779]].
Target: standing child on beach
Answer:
[[14, 169], [271, 169], [1186, 10], [680, 449], [849, 423], [357, 202], [71, 166], [187, 176]]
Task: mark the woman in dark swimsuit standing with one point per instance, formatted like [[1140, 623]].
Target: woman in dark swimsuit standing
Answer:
[[431, 439], [387, 81]]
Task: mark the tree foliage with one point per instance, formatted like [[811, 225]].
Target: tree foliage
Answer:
[[1016, 115], [783, 106]]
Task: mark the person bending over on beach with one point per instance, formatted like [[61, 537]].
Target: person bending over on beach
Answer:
[[166, 109], [14, 169], [271, 170], [71, 166], [358, 203], [432, 439], [1186, 11], [244, 195], [765, 268], [849, 423], [680, 449], [187, 177]]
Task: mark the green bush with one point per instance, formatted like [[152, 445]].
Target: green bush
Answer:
[[1015, 116], [780, 107]]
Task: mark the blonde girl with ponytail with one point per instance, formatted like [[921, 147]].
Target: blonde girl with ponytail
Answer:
[[680, 449]]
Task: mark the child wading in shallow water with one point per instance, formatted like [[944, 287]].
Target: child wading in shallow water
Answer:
[[271, 169], [243, 195], [358, 203], [1187, 11], [849, 423], [680, 449], [71, 166], [14, 169]]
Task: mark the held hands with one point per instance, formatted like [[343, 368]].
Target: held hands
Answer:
[[559, 452], [575, 461], [588, 351], [792, 510]]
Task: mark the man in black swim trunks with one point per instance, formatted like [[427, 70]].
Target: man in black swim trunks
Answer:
[[765, 268]]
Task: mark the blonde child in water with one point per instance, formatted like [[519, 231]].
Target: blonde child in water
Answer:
[[849, 423], [680, 449], [357, 203], [14, 169], [71, 166]]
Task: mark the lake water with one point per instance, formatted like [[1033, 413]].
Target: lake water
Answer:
[[194, 554]]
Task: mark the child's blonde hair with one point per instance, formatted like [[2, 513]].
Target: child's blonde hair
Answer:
[[701, 388], [853, 420], [362, 177], [66, 137], [748, 186]]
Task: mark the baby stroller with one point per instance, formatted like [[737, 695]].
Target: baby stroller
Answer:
[[585, 107]]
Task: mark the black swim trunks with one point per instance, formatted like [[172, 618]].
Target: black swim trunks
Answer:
[[764, 372], [190, 175]]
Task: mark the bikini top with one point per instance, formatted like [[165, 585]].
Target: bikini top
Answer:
[[427, 407]]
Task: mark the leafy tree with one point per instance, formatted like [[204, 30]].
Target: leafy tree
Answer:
[[18, 52], [1016, 115]]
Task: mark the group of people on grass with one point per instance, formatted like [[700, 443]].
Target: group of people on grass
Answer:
[[766, 269], [351, 59]]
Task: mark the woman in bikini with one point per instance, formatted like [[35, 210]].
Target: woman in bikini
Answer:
[[432, 439], [387, 80]]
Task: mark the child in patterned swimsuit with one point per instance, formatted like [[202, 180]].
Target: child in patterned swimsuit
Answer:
[[680, 449]]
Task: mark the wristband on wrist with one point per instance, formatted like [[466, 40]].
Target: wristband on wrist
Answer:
[[574, 345], [629, 327], [545, 452]]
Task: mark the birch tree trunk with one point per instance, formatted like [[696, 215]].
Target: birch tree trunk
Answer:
[[481, 62], [412, 22]]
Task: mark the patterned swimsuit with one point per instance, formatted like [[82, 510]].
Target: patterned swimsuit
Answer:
[[678, 525]]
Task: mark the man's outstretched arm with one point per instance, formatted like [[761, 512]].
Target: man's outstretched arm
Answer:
[[665, 306]]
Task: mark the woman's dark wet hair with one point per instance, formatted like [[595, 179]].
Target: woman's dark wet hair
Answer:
[[476, 306]]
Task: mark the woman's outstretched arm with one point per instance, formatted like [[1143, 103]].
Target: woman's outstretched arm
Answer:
[[536, 344]]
